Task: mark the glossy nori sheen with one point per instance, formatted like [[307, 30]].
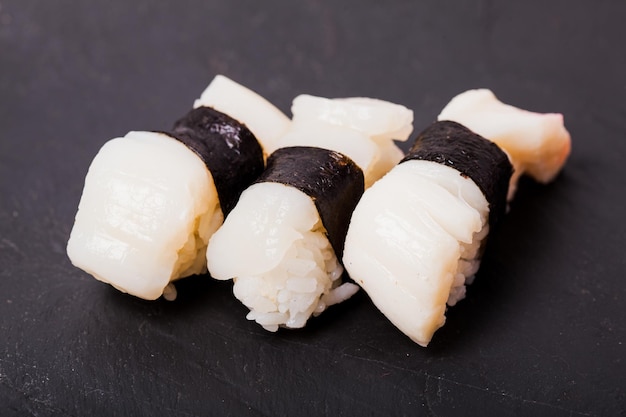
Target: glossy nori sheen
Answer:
[[332, 180], [481, 160], [228, 148]]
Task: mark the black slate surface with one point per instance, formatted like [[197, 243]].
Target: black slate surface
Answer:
[[542, 331]]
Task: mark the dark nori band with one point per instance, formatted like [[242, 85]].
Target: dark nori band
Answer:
[[332, 180], [229, 150], [452, 144]]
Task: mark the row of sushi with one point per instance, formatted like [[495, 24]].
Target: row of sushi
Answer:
[[281, 206]]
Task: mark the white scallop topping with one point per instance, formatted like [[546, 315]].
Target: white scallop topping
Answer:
[[260, 229], [354, 144], [264, 120], [145, 216], [375, 124], [371, 116]]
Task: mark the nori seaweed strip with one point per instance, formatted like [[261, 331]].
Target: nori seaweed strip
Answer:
[[452, 144], [228, 148], [332, 180]]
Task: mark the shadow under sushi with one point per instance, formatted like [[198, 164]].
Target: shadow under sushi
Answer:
[[503, 286], [196, 295], [506, 285]]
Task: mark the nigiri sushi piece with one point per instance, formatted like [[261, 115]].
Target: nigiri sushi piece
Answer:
[[290, 224], [362, 128], [151, 201], [538, 144], [416, 236], [291, 230], [265, 120]]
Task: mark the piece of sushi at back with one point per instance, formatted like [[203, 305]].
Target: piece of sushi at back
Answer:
[[416, 236], [228, 148], [537, 144], [152, 200], [362, 128], [264, 120]]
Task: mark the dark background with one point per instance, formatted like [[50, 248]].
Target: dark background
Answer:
[[541, 331]]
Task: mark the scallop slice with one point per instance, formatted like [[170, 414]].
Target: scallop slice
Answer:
[[380, 122], [538, 144], [352, 143], [266, 222], [401, 257], [264, 119], [371, 116], [455, 183], [389, 154], [145, 216], [453, 213]]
